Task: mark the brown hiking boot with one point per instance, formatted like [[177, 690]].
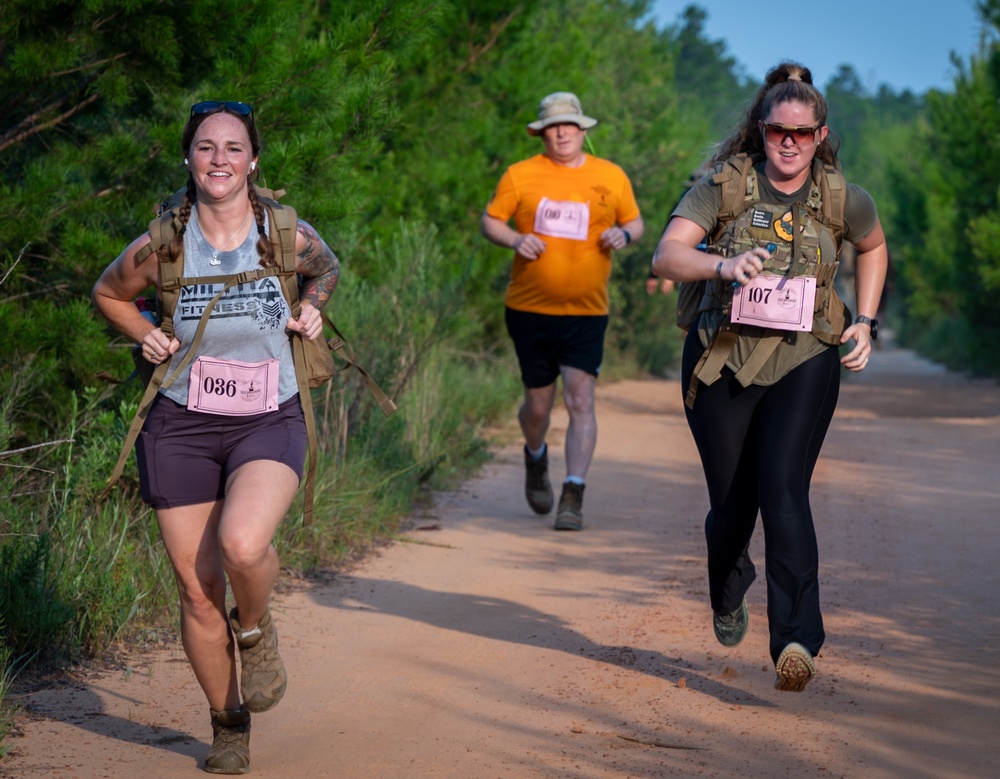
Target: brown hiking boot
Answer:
[[230, 753], [570, 514], [262, 674], [537, 488]]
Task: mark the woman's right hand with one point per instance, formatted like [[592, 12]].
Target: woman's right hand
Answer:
[[156, 347], [743, 268]]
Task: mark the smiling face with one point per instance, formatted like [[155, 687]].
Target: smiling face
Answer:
[[789, 158], [564, 144], [220, 157]]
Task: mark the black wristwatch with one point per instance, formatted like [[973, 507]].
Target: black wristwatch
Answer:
[[872, 323]]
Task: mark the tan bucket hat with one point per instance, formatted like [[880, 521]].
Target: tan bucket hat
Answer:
[[557, 108]]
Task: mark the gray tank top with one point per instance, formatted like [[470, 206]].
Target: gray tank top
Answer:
[[246, 324]]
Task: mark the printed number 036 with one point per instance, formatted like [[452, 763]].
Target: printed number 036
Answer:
[[219, 387]]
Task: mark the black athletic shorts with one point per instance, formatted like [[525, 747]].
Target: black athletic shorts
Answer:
[[185, 457], [544, 342]]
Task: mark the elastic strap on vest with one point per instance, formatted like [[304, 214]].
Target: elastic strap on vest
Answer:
[[709, 367]]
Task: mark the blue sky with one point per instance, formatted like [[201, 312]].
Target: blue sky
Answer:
[[902, 43]]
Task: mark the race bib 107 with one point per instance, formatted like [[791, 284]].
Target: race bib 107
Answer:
[[777, 302]]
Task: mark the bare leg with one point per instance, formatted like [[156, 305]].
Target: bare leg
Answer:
[[190, 536], [581, 436], [258, 496], [536, 413], [206, 542]]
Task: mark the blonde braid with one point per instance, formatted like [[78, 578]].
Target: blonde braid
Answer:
[[265, 248], [175, 249]]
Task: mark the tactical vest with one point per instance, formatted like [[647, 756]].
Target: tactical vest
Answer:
[[807, 238]]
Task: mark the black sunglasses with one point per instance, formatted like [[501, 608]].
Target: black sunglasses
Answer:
[[211, 106]]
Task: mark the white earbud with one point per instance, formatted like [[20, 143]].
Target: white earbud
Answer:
[[253, 166], [185, 160]]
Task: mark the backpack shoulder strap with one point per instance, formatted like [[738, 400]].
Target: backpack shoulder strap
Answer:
[[738, 183], [833, 196]]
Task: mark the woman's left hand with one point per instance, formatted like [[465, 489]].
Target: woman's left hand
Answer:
[[309, 324], [857, 359]]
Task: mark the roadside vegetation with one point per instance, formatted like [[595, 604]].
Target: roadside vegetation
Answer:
[[388, 123]]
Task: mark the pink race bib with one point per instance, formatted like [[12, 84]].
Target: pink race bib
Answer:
[[777, 302], [563, 219], [233, 388]]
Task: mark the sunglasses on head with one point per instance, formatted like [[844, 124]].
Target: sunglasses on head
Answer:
[[211, 106], [776, 133]]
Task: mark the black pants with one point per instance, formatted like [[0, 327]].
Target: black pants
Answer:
[[758, 447]]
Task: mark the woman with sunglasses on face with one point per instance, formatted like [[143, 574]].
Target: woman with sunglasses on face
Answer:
[[761, 368], [221, 478]]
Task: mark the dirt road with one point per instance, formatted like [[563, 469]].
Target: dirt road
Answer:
[[487, 645]]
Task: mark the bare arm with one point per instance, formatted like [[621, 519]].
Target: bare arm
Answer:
[[529, 246], [317, 263], [677, 258], [615, 238], [872, 265], [114, 292], [319, 266]]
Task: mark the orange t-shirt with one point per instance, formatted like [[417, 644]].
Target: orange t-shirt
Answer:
[[568, 208]]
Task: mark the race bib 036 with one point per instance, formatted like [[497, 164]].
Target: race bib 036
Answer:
[[233, 388]]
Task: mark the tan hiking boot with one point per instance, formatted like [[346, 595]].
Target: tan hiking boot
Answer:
[[570, 513], [230, 753], [537, 488], [795, 667], [262, 674]]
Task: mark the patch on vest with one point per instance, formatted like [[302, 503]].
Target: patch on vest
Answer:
[[783, 227], [760, 219]]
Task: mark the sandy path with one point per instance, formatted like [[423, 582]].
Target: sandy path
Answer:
[[487, 645]]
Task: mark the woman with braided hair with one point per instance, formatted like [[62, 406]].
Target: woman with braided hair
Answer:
[[223, 447], [761, 368]]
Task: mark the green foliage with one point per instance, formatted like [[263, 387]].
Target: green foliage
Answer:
[[7, 674], [37, 619], [947, 210], [711, 88], [403, 330], [74, 565]]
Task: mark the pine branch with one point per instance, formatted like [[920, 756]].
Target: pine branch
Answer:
[[8, 141], [496, 30], [11, 268]]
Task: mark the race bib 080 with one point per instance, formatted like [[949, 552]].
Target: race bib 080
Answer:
[[233, 388], [777, 302], [563, 219]]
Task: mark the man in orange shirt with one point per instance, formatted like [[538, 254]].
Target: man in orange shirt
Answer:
[[570, 210]]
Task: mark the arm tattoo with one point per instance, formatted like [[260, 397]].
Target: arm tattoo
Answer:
[[319, 265]]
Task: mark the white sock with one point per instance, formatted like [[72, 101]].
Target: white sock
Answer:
[[536, 456]]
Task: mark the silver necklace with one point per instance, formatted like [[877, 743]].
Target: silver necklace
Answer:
[[216, 252]]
